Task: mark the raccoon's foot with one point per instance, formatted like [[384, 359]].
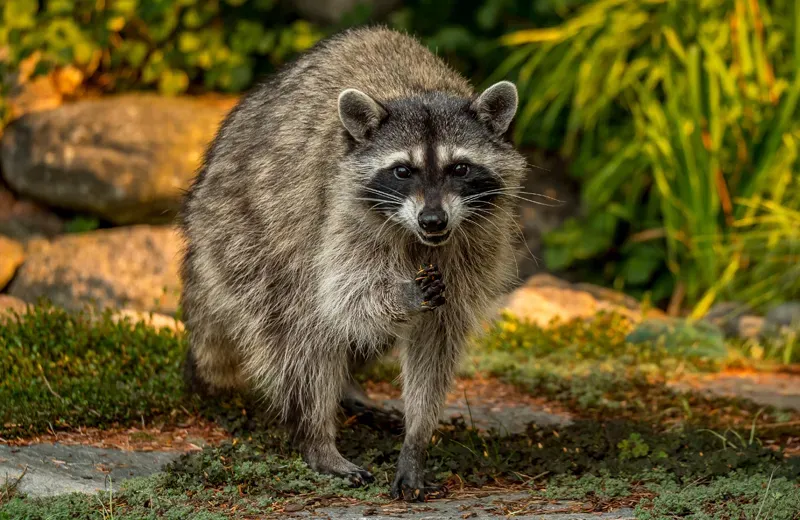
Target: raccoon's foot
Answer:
[[409, 482], [411, 487], [331, 462], [356, 400], [429, 281]]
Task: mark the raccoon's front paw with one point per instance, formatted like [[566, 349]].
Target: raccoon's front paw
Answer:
[[410, 487], [330, 462], [429, 281], [358, 478]]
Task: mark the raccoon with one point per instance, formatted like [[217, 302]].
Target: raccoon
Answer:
[[362, 198]]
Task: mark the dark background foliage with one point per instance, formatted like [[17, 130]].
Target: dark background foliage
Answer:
[[678, 117]]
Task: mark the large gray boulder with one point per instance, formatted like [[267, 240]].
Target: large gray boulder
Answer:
[[123, 158], [11, 255], [129, 267], [544, 299], [784, 318], [24, 219]]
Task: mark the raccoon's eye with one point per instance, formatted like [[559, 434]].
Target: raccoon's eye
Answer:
[[401, 172], [460, 170]]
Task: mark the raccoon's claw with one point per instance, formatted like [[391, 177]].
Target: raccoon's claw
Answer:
[[359, 477], [427, 274], [430, 282], [416, 493]]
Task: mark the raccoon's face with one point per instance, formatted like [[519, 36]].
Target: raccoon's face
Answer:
[[431, 163]]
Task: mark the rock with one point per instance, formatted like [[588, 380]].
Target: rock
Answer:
[[510, 419], [750, 327], [29, 93], [129, 267], [125, 159], [53, 469], [681, 338], [332, 11], [25, 219], [9, 306], [765, 389], [490, 505], [726, 315], [152, 319], [544, 298], [11, 255], [783, 318]]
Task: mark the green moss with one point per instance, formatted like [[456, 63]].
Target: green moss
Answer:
[[593, 370], [734, 496], [63, 370], [63, 507], [602, 485], [260, 472], [636, 441]]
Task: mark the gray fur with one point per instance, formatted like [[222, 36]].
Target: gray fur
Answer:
[[289, 274]]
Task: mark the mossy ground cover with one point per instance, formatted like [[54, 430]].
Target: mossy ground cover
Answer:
[[635, 442], [63, 370], [593, 369]]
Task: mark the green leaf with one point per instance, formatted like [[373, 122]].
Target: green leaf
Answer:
[[247, 36], [135, 52], [154, 67], [20, 14], [60, 7], [189, 42], [83, 52], [642, 264], [173, 82]]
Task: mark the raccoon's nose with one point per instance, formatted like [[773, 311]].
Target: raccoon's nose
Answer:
[[432, 221]]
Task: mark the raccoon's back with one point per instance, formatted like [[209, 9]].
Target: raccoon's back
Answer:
[[295, 112]]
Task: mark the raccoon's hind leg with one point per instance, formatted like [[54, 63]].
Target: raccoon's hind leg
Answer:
[[315, 394], [212, 365], [355, 399]]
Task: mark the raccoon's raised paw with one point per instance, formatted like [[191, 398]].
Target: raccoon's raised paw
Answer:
[[429, 281]]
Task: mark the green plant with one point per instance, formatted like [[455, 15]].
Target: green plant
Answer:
[[633, 447], [62, 370], [769, 246], [682, 120], [170, 45], [81, 224]]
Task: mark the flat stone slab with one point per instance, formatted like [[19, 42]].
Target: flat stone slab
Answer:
[[490, 506], [779, 390], [53, 469], [505, 420]]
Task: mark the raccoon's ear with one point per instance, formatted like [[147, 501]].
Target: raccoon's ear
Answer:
[[497, 106], [360, 114]]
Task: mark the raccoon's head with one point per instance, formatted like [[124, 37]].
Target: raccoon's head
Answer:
[[433, 162]]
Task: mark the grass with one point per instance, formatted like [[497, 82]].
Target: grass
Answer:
[[593, 370], [634, 443], [259, 473], [63, 370], [681, 120]]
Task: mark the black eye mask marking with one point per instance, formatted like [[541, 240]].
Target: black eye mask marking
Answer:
[[389, 190], [478, 187]]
